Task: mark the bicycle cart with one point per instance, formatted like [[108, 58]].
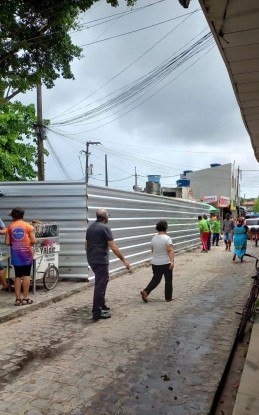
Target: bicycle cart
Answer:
[[46, 252]]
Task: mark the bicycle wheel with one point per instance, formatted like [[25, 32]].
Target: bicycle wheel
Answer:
[[50, 277], [248, 311]]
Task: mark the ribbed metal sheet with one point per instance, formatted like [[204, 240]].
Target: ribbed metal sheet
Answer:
[[132, 218]]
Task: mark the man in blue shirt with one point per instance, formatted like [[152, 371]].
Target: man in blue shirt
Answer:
[[99, 240]]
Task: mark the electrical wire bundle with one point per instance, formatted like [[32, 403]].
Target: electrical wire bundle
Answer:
[[142, 84]]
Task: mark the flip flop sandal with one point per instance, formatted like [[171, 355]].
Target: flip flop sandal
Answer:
[[27, 301], [18, 302]]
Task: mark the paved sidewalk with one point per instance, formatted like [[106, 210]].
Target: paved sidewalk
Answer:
[[41, 298], [155, 358], [247, 402]]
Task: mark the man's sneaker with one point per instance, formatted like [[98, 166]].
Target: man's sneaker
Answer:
[[102, 316], [105, 308]]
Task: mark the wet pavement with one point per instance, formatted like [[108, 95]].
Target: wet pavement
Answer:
[[155, 358]]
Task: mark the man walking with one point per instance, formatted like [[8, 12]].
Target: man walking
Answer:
[[227, 230], [99, 239]]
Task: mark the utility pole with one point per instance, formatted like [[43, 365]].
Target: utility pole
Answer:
[[40, 135], [106, 171], [87, 154], [237, 191], [136, 188]]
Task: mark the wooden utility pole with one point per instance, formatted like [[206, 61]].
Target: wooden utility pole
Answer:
[[106, 171], [40, 135]]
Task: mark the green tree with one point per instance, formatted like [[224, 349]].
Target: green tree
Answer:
[[18, 151], [256, 206], [35, 42]]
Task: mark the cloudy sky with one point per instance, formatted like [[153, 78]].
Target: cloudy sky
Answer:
[[189, 119]]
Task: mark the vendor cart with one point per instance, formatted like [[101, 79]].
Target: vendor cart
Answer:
[[46, 252]]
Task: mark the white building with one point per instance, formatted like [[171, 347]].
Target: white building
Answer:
[[218, 180]]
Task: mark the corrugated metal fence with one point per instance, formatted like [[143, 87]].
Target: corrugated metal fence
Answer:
[[132, 218]]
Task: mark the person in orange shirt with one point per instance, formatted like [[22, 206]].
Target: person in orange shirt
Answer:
[[20, 237]]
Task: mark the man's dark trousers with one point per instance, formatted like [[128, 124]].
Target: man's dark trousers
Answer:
[[101, 272]]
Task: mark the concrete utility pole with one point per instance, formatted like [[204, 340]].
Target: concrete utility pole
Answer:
[[237, 191], [106, 171], [87, 154], [40, 135], [136, 188], [136, 177]]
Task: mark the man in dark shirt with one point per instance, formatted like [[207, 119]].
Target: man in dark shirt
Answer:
[[99, 240]]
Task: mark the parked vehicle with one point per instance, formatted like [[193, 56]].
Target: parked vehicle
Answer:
[[253, 225]]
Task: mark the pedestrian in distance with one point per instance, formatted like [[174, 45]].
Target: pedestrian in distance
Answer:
[[3, 281], [204, 232], [162, 262], [216, 230], [227, 230], [240, 239], [209, 222], [99, 240], [20, 237]]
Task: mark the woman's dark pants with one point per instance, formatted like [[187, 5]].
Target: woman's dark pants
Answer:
[[159, 271], [101, 272]]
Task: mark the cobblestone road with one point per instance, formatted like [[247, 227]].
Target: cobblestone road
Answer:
[[154, 358]]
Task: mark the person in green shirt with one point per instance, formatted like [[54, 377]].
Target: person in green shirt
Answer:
[[204, 232], [216, 231], [209, 222]]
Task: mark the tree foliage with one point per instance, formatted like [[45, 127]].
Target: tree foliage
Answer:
[[18, 152], [35, 42], [256, 206]]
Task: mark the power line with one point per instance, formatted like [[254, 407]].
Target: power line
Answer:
[[42, 35], [126, 12], [129, 66], [149, 97], [136, 30], [58, 160], [153, 77]]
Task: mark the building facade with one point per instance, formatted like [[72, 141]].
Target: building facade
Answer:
[[217, 181]]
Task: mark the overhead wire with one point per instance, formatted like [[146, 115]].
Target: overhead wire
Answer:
[[149, 97], [135, 30], [51, 32], [154, 76], [129, 66], [133, 10], [58, 160]]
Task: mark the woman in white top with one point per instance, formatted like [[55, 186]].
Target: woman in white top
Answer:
[[162, 262]]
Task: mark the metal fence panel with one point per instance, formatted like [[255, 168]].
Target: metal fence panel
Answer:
[[133, 218]]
